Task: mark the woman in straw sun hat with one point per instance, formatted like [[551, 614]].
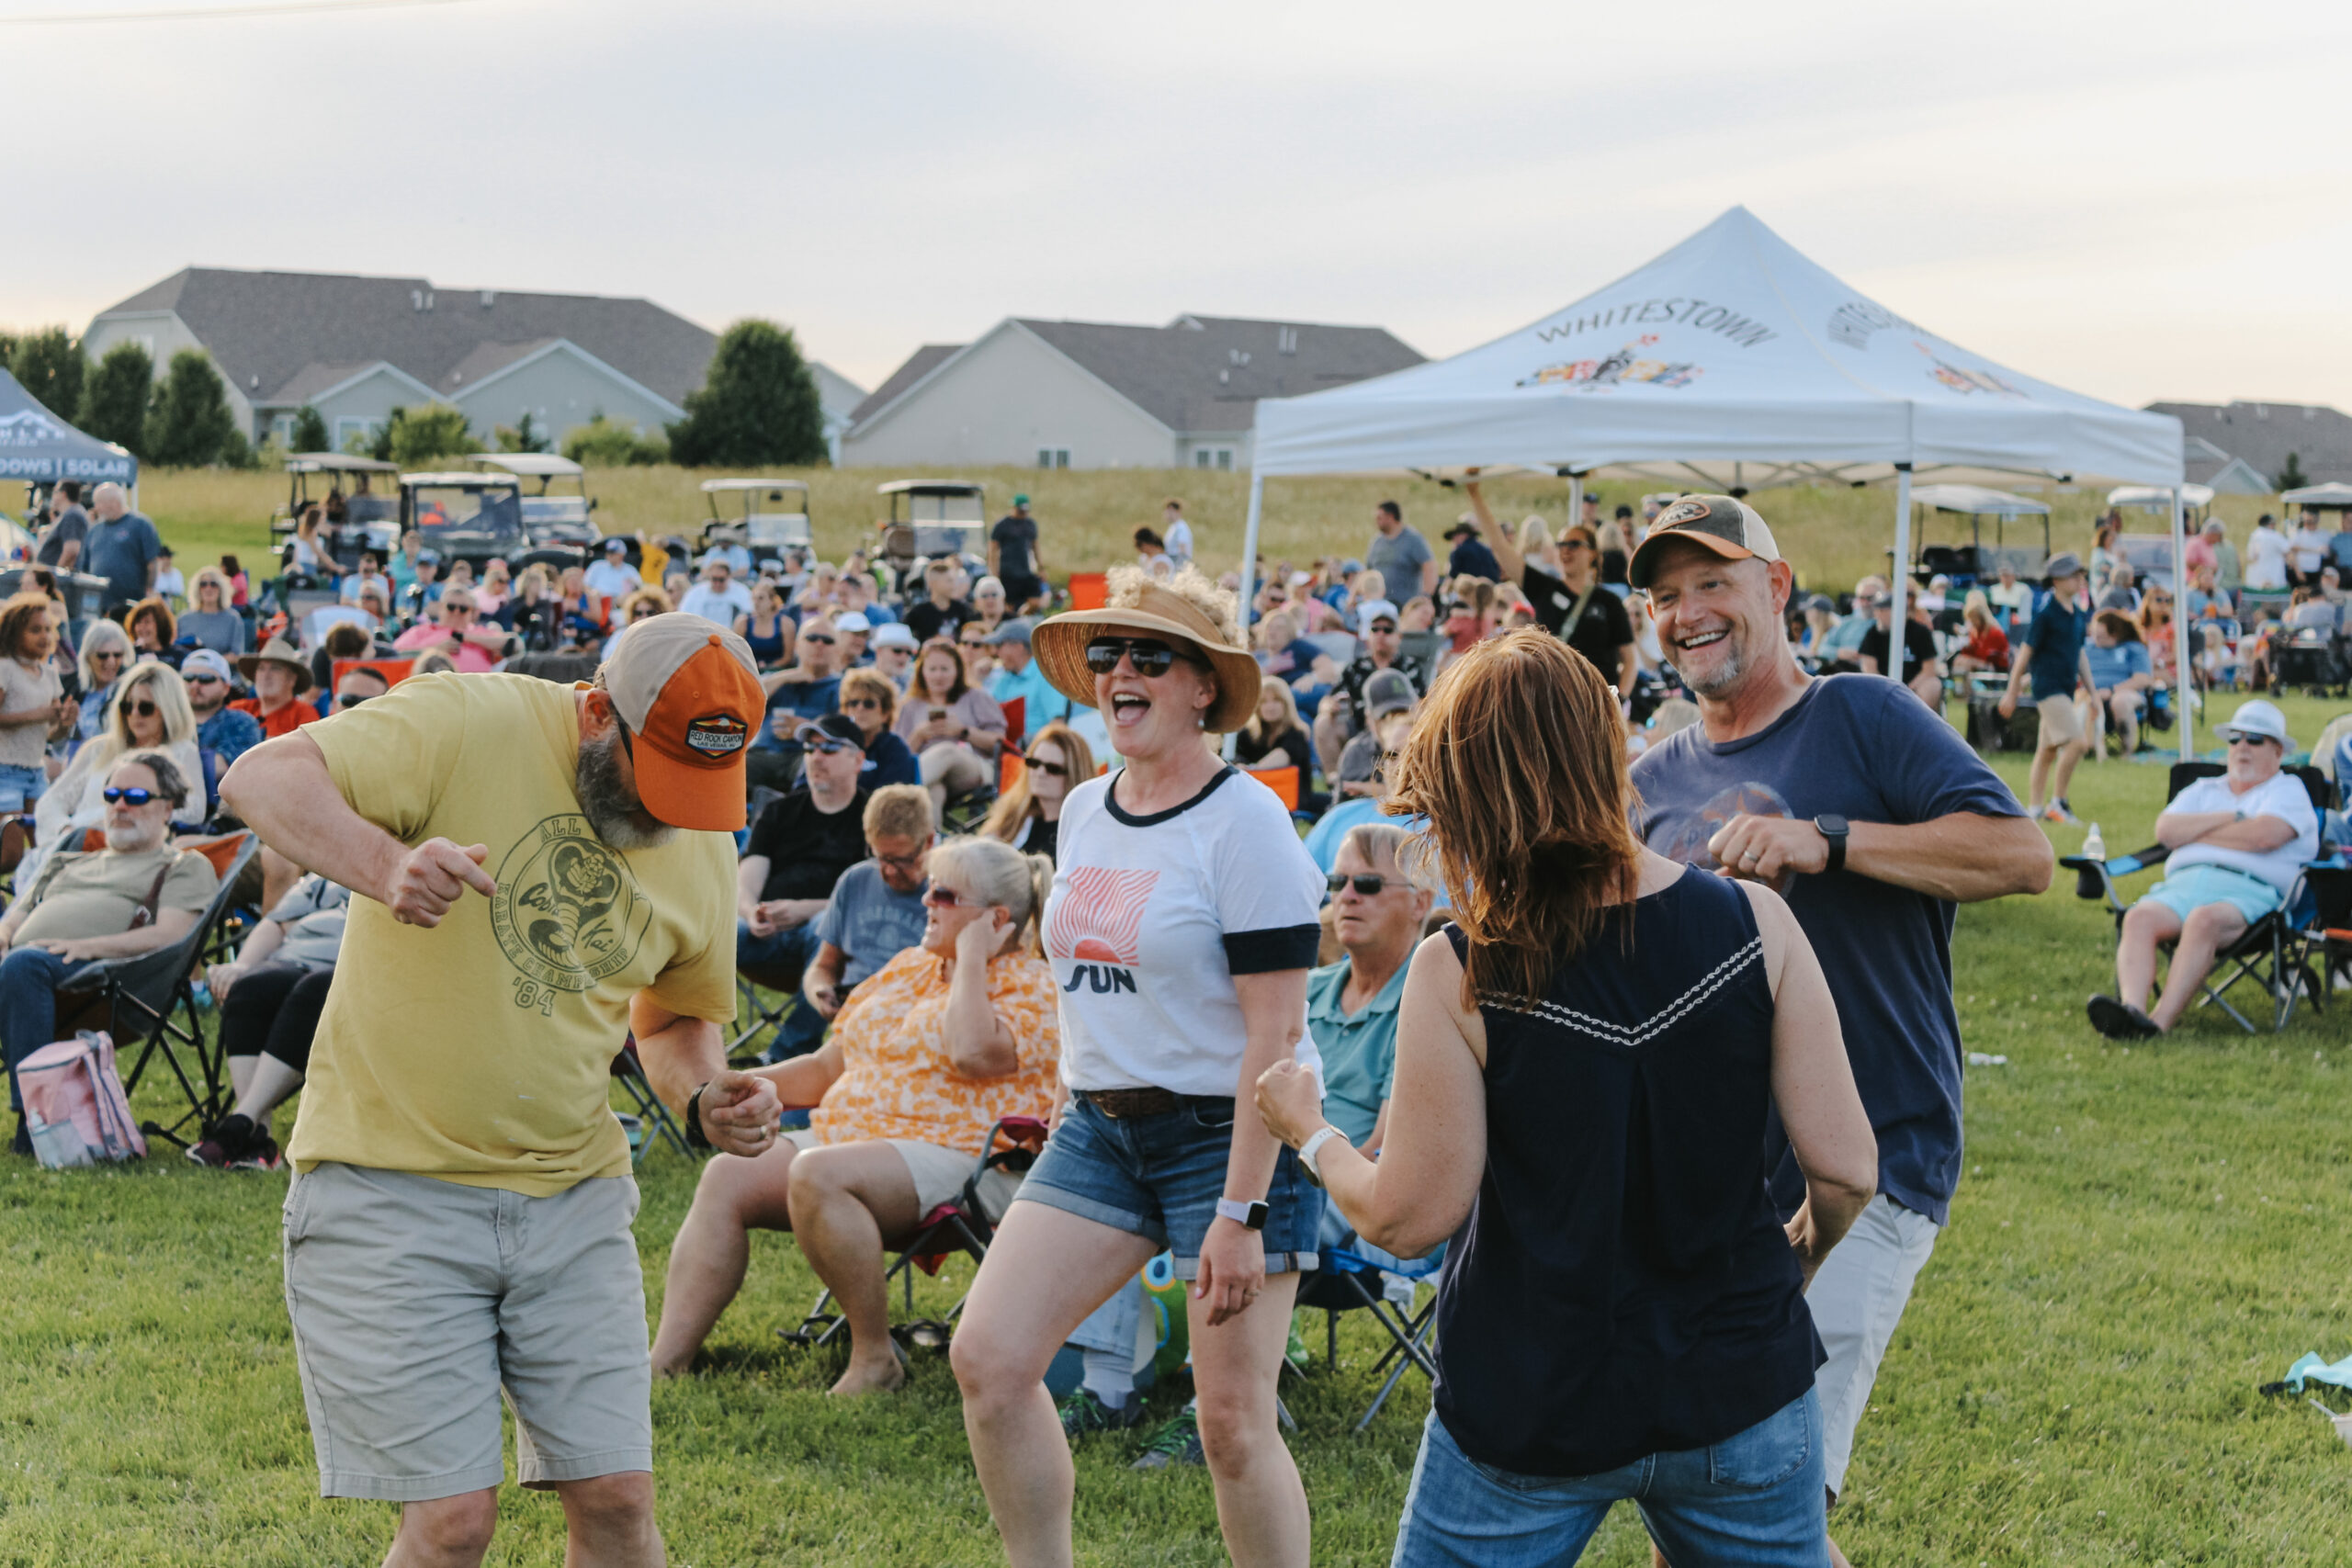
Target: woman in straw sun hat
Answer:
[[1180, 928]]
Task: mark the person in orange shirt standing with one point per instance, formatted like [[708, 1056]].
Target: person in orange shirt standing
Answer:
[[280, 676]]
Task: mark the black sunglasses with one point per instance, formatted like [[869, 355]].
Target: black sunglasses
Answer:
[[1053, 769], [135, 796], [862, 703], [1367, 886], [830, 745], [1151, 656], [352, 702], [825, 638], [143, 708]]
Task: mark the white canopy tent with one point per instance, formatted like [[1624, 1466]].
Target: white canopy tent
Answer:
[[1733, 361]]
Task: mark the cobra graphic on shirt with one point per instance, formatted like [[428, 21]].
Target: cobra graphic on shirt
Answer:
[[567, 912], [1095, 925]]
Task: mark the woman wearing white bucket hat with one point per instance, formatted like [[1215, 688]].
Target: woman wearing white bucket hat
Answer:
[[2238, 841]]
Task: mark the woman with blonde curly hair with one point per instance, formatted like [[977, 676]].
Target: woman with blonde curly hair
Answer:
[[1593, 1053], [1180, 929]]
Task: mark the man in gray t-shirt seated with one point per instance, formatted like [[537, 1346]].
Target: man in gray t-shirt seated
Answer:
[[875, 912]]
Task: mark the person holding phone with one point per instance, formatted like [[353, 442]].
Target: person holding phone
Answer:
[[954, 727], [1180, 928]]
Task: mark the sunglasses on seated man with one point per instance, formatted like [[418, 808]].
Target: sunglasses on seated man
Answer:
[[134, 796], [1151, 656], [1365, 887], [831, 745]]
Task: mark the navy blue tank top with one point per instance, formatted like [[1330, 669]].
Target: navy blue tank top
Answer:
[[765, 651], [1624, 1287]]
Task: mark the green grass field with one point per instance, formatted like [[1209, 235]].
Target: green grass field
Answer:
[[2142, 1235]]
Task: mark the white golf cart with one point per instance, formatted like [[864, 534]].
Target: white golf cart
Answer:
[[550, 516], [767, 517], [929, 518]]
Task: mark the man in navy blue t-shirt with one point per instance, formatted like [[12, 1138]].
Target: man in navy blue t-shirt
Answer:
[[1863, 809], [2052, 657]]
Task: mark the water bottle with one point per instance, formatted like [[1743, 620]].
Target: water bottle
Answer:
[[2094, 846]]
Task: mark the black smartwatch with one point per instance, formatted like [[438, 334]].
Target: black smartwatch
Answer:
[[696, 1138], [1833, 827]]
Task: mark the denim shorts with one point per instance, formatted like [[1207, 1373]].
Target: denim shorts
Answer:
[[2183, 890], [1754, 1499], [20, 785], [1159, 1177]]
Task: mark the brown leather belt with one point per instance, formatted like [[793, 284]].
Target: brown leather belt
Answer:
[[1121, 1103]]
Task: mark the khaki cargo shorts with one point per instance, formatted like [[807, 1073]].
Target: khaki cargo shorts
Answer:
[[939, 1173], [2062, 723], [416, 1302]]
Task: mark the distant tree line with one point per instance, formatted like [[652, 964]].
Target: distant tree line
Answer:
[[757, 407]]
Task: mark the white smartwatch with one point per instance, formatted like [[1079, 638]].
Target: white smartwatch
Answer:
[[1251, 1214], [1308, 1150]]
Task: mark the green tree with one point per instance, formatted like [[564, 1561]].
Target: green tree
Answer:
[[113, 399], [757, 405], [188, 422], [48, 365], [605, 443], [310, 434], [377, 444], [523, 435], [2292, 476], [417, 437]]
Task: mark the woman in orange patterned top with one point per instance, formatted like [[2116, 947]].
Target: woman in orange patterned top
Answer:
[[937, 1046]]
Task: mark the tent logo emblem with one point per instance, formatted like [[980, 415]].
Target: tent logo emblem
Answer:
[[28, 427], [1960, 379], [1618, 368]]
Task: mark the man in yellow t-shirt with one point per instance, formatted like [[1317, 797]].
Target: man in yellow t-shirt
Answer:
[[459, 1217]]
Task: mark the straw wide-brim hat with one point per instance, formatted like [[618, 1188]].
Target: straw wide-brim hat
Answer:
[[1059, 644], [277, 650]]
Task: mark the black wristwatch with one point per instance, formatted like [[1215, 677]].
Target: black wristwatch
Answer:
[[696, 1138], [1834, 829]]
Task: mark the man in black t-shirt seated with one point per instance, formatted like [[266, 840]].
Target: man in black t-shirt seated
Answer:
[[1923, 668], [1342, 715], [799, 846]]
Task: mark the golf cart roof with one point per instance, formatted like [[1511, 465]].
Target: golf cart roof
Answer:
[[531, 465], [1978, 501], [2156, 497], [931, 487], [336, 463], [457, 478], [2330, 496], [720, 486]]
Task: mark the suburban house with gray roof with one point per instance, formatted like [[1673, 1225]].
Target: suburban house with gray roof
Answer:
[[1093, 395], [2240, 448], [356, 347]]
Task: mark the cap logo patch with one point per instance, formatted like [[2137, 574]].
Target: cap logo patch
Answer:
[[718, 735], [1683, 512]]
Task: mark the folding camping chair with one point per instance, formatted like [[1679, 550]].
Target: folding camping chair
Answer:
[[654, 1119], [149, 1000], [960, 1224], [2273, 952], [1346, 1282]]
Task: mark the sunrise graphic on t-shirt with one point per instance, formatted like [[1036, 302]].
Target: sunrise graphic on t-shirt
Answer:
[[1098, 915]]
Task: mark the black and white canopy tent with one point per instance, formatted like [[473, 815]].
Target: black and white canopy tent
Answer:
[[38, 449]]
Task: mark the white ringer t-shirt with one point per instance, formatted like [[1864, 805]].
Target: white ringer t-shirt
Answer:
[[1150, 918]]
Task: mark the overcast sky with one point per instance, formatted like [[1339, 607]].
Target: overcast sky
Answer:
[[2137, 200]]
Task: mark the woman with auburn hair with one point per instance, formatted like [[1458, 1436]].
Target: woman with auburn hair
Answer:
[[1180, 928], [1028, 815], [954, 729], [151, 628], [1601, 1039]]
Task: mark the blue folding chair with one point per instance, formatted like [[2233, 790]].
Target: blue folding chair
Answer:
[[1348, 1281]]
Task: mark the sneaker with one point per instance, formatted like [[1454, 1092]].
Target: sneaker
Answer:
[[223, 1142], [2117, 1022], [1083, 1411], [2057, 811], [260, 1154], [1178, 1441]]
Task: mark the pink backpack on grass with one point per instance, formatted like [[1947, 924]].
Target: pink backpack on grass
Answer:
[[74, 1107]]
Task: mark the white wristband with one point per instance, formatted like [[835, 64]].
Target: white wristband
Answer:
[[1308, 1150]]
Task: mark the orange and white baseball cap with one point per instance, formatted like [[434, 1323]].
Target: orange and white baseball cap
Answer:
[[689, 693]]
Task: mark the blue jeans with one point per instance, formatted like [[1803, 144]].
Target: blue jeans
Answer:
[[785, 953], [28, 980], [20, 786], [1755, 1498]]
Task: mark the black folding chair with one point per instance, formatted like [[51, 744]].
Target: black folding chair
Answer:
[[654, 1120], [2272, 951], [149, 1000], [1344, 1282], [961, 1225]]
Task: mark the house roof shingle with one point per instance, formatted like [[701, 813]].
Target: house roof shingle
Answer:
[[1198, 374], [270, 332], [2264, 434]]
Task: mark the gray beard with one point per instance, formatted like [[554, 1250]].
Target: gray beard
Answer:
[[1727, 675], [610, 806]]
